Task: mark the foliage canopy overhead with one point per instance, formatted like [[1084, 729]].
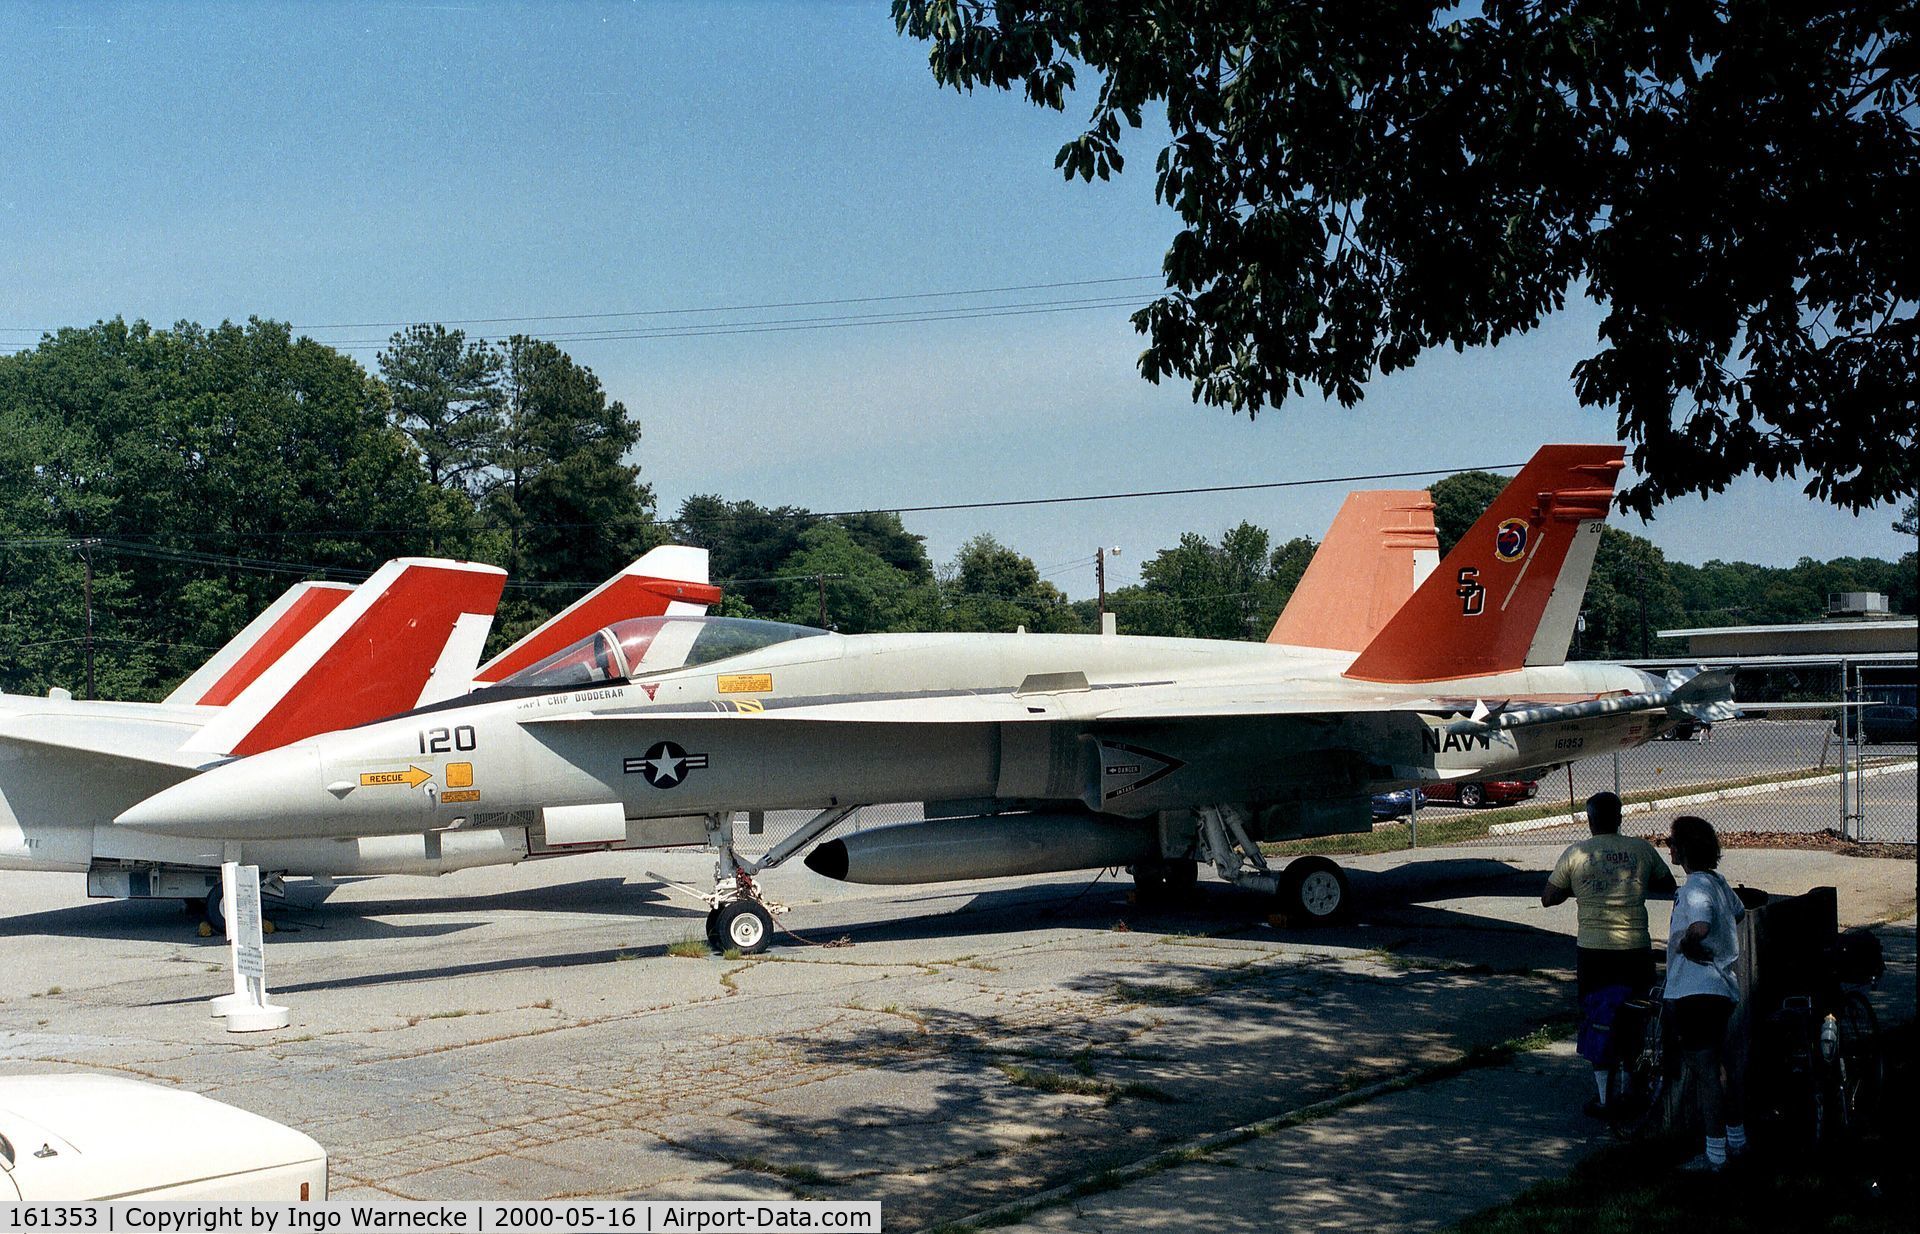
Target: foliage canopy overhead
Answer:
[[1358, 183]]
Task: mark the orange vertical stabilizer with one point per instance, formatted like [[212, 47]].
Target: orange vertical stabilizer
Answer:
[[1379, 548], [1508, 594]]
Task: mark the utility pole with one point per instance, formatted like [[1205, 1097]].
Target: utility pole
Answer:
[[86, 554], [821, 580], [1100, 576]]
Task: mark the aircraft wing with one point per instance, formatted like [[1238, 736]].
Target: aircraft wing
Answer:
[[1168, 701]]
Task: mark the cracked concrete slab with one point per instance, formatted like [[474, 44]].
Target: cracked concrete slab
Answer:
[[973, 1045]]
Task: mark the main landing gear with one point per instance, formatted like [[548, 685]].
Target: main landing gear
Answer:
[[739, 916], [1309, 891]]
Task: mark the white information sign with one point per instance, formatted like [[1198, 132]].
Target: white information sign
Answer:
[[246, 1009]]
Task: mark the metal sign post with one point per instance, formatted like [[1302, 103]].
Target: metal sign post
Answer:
[[246, 1009]]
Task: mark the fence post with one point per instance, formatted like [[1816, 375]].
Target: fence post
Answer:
[[1847, 786]]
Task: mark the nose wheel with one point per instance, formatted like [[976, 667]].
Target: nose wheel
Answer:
[[742, 926]]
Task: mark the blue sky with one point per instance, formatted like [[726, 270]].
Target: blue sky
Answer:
[[338, 164]]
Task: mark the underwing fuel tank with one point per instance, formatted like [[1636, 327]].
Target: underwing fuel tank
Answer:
[[986, 846]]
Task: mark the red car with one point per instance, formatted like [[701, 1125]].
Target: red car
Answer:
[[1472, 793]]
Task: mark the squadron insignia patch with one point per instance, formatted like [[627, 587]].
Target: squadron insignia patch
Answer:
[[1510, 541]]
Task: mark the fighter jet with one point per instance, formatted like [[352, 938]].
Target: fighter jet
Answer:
[[1029, 753], [326, 655]]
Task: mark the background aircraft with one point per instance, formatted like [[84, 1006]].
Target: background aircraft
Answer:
[[1029, 752], [325, 655]]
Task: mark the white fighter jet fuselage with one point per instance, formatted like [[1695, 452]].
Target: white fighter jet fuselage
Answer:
[[1114, 725]]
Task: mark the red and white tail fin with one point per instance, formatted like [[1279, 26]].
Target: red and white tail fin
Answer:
[[265, 639], [1508, 594], [667, 581], [1381, 546], [416, 622]]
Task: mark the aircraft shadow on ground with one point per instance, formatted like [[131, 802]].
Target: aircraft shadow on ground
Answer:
[[163, 921], [309, 911], [611, 897], [1186, 1048], [1396, 900]]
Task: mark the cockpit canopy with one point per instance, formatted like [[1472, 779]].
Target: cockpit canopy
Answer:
[[643, 645]]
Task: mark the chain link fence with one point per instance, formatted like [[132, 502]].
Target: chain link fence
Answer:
[[1787, 772]]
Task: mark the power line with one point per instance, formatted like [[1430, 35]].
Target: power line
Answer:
[[786, 515], [722, 329], [687, 311]]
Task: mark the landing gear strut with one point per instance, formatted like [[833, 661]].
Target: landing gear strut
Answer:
[[1310, 891], [739, 916]]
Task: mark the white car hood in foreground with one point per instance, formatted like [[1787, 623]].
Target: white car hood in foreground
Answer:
[[87, 1137]]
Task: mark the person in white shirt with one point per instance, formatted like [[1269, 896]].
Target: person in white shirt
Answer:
[[1702, 989]]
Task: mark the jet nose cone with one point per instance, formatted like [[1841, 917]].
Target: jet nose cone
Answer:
[[250, 797]]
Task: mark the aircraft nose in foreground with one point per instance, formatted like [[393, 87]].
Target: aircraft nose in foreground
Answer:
[[274, 795]]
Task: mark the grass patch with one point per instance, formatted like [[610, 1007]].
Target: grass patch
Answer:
[[805, 1174], [448, 1015], [689, 948], [1082, 1085], [1866, 1186]]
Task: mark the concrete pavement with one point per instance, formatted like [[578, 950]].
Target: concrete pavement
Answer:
[[523, 1033]]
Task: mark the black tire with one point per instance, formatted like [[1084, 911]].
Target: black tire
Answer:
[[1313, 891], [1163, 881], [1472, 796], [713, 931], [215, 907], [743, 926]]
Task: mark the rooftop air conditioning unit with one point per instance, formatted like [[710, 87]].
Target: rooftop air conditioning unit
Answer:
[[1856, 604]]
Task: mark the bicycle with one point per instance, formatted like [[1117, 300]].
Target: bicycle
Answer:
[[1646, 1065], [1822, 1044]]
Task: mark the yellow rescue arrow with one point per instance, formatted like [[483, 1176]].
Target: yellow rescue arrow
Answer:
[[412, 777]]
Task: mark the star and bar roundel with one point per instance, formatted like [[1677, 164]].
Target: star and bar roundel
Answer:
[[665, 764]]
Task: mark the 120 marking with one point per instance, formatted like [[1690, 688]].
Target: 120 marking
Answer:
[[441, 740]]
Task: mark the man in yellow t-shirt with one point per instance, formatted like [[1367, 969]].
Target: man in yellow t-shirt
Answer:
[[1610, 877]]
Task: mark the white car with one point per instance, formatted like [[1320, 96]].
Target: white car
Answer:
[[90, 1137]]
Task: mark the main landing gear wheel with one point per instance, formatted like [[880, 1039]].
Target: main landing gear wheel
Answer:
[[1163, 880], [1313, 891], [742, 926], [1472, 796], [216, 910]]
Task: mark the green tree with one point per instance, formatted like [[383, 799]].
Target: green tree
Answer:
[[571, 508], [215, 466], [1359, 183], [1233, 589], [446, 399], [991, 587], [861, 592], [1630, 599], [1458, 502], [747, 544]]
